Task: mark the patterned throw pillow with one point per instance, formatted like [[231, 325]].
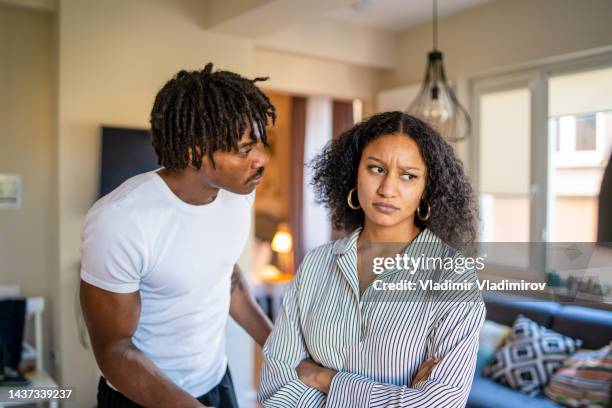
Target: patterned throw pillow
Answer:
[[585, 380], [530, 356]]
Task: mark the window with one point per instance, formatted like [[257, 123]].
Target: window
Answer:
[[585, 132], [505, 169], [542, 140]]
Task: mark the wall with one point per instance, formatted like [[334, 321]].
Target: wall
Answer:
[[351, 43], [27, 235], [302, 75], [575, 219], [504, 33]]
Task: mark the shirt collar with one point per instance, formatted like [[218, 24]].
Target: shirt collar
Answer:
[[347, 243]]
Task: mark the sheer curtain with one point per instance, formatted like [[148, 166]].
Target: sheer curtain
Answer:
[[315, 220]]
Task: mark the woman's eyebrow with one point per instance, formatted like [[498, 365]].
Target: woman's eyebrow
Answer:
[[410, 168], [375, 159], [401, 167]]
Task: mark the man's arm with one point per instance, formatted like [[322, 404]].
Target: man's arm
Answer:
[[111, 320], [245, 311]]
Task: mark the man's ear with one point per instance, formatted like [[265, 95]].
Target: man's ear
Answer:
[[208, 163], [199, 153]]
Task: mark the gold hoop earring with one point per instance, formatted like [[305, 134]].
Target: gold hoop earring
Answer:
[[418, 212], [349, 201]]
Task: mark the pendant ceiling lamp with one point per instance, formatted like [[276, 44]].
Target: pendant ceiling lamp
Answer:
[[436, 102]]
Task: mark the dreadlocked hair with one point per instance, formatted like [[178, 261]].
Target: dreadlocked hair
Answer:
[[206, 111]]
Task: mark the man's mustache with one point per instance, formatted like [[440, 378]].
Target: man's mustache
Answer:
[[258, 173]]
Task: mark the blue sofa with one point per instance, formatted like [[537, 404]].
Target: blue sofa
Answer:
[[592, 326]]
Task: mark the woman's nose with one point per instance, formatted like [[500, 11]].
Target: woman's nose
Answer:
[[387, 187]]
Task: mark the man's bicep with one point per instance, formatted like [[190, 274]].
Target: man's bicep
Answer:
[[109, 316]]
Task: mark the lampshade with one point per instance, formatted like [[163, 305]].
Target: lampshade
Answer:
[[282, 241], [269, 272], [436, 103]]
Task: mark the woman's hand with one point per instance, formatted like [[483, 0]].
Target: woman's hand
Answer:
[[425, 369], [315, 376]]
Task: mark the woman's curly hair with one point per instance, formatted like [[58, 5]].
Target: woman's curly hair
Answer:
[[447, 188]]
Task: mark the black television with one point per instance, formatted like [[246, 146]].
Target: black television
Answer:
[[125, 153]]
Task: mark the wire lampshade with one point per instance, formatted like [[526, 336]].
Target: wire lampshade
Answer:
[[436, 102]]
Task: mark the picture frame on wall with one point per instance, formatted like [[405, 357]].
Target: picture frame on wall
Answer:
[[10, 191]]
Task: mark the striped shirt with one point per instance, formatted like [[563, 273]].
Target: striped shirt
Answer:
[[375, 341]]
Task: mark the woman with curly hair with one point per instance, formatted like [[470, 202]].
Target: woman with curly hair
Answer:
[[355, 332]]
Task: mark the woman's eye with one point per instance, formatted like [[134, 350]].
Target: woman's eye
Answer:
[[407, 176], [244, 152], [376, 169]]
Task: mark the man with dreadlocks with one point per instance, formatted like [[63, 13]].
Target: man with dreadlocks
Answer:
[[159, 273]]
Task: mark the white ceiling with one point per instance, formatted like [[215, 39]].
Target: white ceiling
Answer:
[[398, 15]]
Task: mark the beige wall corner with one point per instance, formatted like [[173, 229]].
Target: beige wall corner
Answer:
[[304, 75]]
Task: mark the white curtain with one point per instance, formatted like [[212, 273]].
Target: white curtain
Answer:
[[317, 226]]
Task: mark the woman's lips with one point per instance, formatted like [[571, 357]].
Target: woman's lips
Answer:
[[385, 208]]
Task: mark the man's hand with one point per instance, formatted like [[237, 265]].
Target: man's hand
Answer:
[[245, 311], [315, 376], [425, 369]]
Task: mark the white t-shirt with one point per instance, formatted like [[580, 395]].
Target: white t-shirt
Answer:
[[142, 237]]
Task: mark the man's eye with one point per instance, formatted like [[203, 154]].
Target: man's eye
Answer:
[[376, 169]]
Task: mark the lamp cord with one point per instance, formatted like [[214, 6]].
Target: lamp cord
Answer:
[[435, 24]]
